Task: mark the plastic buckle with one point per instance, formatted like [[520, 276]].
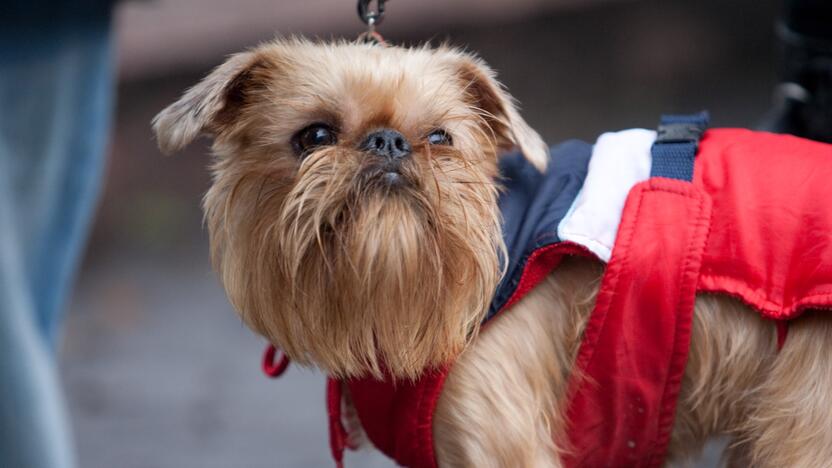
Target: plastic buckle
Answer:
[[679, 133]]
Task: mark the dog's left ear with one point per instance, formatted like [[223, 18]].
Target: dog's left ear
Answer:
[[209, 107], [501, 112]]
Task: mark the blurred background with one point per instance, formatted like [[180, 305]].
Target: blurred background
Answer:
[[159, 371]]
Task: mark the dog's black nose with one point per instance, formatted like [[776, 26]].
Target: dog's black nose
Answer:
[[388, 143]]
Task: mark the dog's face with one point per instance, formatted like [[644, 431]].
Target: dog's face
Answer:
[[353, 215]]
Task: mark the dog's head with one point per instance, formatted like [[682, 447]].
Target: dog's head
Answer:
[[353, 215]]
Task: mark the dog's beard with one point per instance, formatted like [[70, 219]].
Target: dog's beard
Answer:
[[355, 275]]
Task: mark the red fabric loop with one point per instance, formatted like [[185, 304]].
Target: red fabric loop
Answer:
[[272, 368]]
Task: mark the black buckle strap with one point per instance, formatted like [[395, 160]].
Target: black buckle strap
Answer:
[[679, 133], [677, 141]]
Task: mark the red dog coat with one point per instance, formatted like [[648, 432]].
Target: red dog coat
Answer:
[[754, 222]]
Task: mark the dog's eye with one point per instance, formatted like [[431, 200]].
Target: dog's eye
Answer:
[[440, 137], [313, 136]]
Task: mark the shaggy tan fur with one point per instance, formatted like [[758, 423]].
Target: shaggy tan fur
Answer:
[[776, 407], [350, 274]]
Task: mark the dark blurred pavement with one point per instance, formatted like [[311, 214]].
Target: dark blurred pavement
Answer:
[[159, 371]]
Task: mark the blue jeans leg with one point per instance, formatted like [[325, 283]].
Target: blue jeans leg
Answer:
[[56, 90]]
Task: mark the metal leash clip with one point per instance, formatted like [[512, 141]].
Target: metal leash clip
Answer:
[[371, 19]]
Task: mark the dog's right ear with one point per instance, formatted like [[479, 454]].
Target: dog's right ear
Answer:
[[499, 110], [209, 106]]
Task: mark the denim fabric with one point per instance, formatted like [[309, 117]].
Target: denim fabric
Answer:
[[40, 13], [55, 105]]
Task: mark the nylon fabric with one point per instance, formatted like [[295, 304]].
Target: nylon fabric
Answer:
[[635, 346]]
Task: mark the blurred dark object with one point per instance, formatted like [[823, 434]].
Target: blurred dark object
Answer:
[[46, 13], [810, 18], [803, 99]]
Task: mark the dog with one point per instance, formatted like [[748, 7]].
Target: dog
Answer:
[[354, 221]]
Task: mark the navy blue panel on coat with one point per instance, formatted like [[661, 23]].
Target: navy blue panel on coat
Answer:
[[533, 204]]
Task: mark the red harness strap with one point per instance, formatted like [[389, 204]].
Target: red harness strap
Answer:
[[397, 415], [338, 436], [630, 375], [782, 333]]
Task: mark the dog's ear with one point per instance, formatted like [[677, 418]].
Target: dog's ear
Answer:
[[500, 111], [210, 105]]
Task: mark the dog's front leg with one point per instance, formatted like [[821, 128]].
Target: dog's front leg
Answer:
[[501, 403]]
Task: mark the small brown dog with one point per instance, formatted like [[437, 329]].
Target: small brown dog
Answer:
[[354, 222]]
